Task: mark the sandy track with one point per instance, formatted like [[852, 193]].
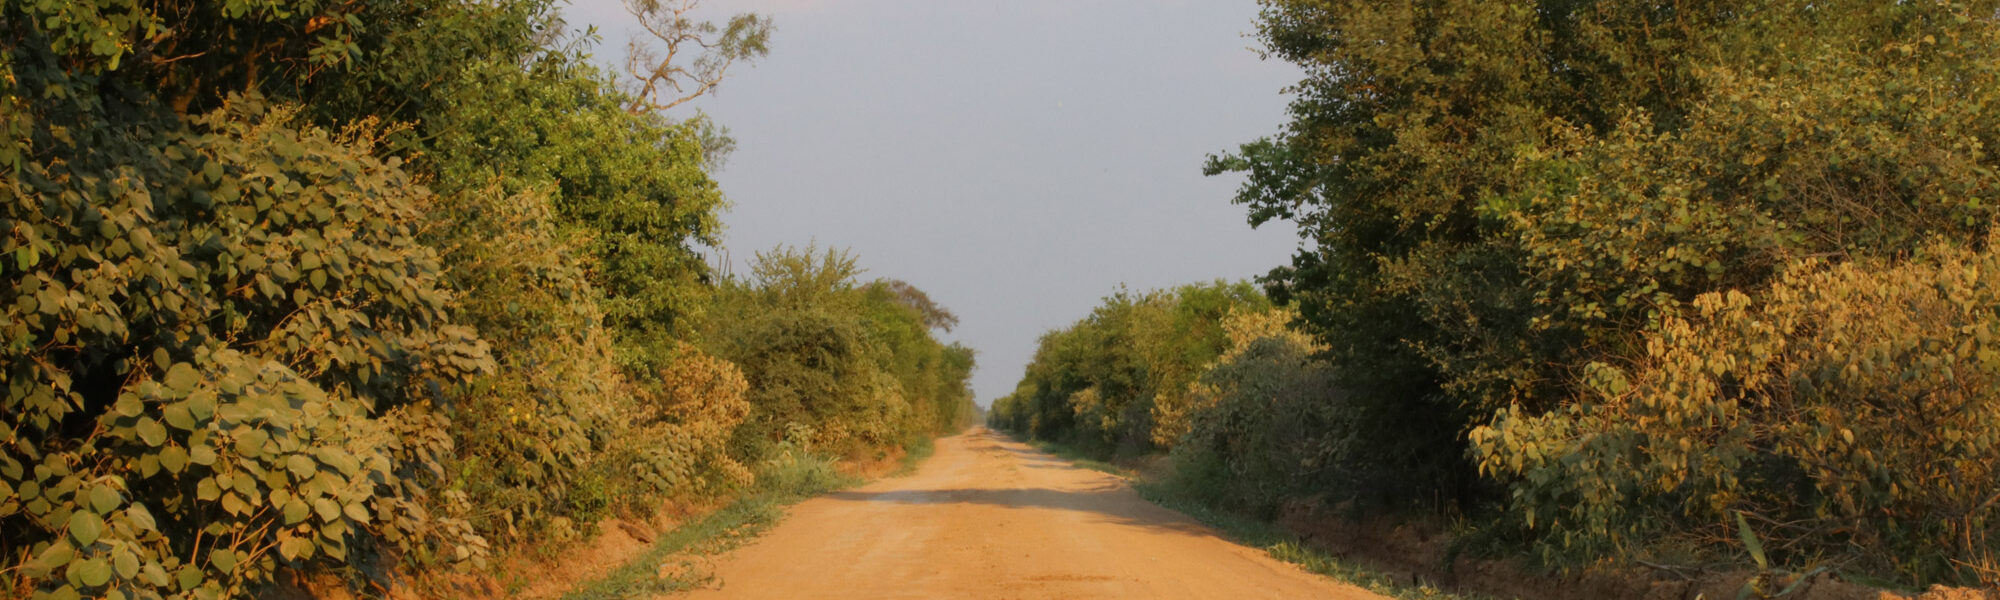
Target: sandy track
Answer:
[[987, 517]]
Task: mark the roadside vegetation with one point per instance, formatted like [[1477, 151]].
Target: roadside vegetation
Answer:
[[1698, 284], [375, 292]]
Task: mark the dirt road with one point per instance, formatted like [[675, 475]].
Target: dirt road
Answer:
[[987, 517]]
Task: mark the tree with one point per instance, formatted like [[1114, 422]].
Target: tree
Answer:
[[666, 75], [1499, 197]]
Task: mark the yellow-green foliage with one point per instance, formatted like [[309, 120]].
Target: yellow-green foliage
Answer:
[[1101, 382], [1173, 414], [1854, 405], [1501, 198], [530, 432], [678, 434], [834, 364], [1264, 421], [221, 344], [244, 333]]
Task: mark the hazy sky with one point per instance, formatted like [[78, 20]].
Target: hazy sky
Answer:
[[1016, 159]]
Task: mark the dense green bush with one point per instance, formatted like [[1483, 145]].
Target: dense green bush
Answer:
[[1100, 382], [222, 344], [1501, 198], [529, 435], [358, 287], [1263, 423], [834, 364], [1848, 406]]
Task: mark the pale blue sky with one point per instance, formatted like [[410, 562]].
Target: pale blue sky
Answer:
[[1016, 159]]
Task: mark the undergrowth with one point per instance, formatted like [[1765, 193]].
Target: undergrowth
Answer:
[[1251, 531], [914, 454], [785, 480]]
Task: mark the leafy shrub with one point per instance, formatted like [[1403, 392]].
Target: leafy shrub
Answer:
[[1173, 414], [853, 364], [528, 434], [857, 365], [677, 437], [1269, 427], [1100, 383], [1850, 407], [209, 375]]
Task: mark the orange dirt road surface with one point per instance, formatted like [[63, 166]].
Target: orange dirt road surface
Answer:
[[988, 517]]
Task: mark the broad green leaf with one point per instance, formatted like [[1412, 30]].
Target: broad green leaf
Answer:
[[182, 378], [295, 511], [93, 572], [177, 416], [85, 527], [151, 432], [201, 455], [173, 458], [104, 499], [224, 559]]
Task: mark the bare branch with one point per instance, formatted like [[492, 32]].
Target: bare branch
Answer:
[[664, 78]]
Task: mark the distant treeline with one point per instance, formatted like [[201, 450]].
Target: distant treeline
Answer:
[[1626, 280], [366, 288]]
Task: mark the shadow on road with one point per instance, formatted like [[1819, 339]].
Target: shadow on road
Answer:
[[1110, 502], [1104, 497]]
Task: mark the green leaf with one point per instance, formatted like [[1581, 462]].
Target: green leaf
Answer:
[[141, 517], [56, 556], [295, 548], [177, 416], [234, 505], [91, 573], [174, 459], [1750, 542], [188, 577], [151, 432], [181, 378], [129, 406], [328, 509], [201, 455], [126, 562], [104, 499], [201, 404], [224, 559], [251, 443], [357, 511], [301, 466], [85, 526], [295, 511]]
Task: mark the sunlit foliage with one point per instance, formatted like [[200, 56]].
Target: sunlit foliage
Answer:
[[1512, 210], [1099, 382], [846, 366], [367, 289]]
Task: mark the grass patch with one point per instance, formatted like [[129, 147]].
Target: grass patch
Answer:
[[914, 454], [785, 481]]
